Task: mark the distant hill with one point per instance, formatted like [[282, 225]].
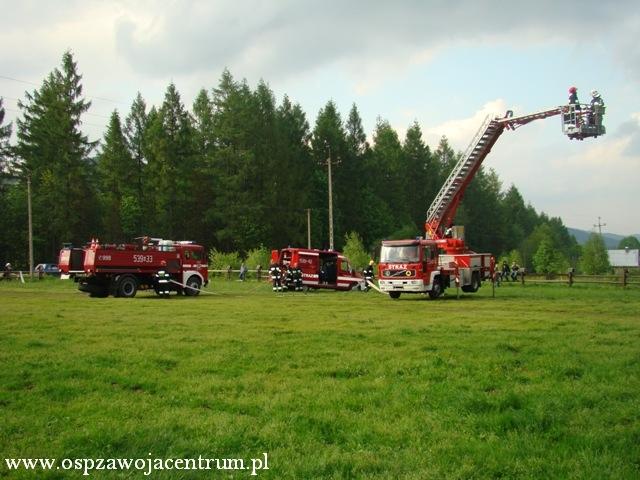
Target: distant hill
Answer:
[[611, 240]]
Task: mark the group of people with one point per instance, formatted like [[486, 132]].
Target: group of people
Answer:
[[509, 273], [285, 278], [596, 101]]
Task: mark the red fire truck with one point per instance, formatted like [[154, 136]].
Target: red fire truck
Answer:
[[326, 269], [121, 270], [441, 259]]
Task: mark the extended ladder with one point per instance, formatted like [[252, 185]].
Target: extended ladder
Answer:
[[443, 208]]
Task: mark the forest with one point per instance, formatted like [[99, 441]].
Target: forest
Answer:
[[238, 170]]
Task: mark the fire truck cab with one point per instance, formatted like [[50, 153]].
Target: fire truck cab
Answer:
[[321, 269]]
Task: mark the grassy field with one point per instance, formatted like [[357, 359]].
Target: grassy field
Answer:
[[539, 382]]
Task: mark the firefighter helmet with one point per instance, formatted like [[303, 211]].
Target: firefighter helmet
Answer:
[[573, 89], [371, 262], [595, 94]]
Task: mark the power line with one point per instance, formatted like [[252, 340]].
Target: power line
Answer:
[[93, 97], [85, 113]]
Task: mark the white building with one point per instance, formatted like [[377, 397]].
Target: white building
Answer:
[[624, 258]]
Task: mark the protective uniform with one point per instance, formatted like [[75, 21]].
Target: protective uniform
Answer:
[[163, 283], [297, 279], [368, 275], [276, 277]]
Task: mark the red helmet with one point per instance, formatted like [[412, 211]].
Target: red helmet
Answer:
[[573, 89]]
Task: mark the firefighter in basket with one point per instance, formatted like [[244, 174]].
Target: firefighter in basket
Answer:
[[276, 277], [368, 275], [162, 281]]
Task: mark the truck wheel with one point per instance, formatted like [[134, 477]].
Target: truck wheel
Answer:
[[436, 290], [193, 286], [475, 284], [127, 286], [394, 295]]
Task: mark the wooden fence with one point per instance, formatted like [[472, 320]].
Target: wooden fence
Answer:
[[623, 279]]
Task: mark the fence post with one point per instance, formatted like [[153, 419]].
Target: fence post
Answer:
[[229, 272], [625, 277], [571, 277], [258, 272], [522, 274]]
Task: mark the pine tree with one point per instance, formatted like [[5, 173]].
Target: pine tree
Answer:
[[134, 131], [170, 161], [55, 154], [422, 174], [391, 175], [5, 150], [118, 185], [290, 177], [328, 143]]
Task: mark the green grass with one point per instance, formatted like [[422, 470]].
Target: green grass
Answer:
[[539, 382]]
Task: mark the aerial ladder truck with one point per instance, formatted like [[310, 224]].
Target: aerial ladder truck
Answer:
[[441, 259]]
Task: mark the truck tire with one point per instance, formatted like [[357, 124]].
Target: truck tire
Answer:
[[394, 295], [194, 282], [127, 286], [436, 289], [475, 284]]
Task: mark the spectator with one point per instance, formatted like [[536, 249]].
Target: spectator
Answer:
[[514, 271], [243, 271], [7, 271], [506, 271]]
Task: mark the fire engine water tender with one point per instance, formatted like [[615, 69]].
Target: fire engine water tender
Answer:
[[123, 269], [441, 259]]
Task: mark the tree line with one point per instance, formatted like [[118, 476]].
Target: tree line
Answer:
[[237, 171]]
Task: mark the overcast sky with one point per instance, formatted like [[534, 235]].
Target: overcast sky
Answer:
[[445, 64]]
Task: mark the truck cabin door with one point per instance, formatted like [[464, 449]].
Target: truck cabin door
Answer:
[[191, 257], [429, 258]]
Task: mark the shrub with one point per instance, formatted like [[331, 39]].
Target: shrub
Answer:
[[221, 260]]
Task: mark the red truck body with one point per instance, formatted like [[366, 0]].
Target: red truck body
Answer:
[[326, 269], [123, 269]]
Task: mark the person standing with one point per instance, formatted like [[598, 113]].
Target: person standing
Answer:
[[243, 271]]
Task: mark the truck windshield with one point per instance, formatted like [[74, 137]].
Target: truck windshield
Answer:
[[400, 253]]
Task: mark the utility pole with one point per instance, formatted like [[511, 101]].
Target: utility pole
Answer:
[[308, 228], [330, 204], [30, 219], [599, 226]]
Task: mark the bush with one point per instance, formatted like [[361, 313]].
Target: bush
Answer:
[[258, 256], [355, 252], [222, 261]]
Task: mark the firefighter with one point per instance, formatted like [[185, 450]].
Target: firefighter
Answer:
[[596, 101], [573, 97], [163, 281], [289, 280], [276, 277], [368, 275], [297, 278]]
